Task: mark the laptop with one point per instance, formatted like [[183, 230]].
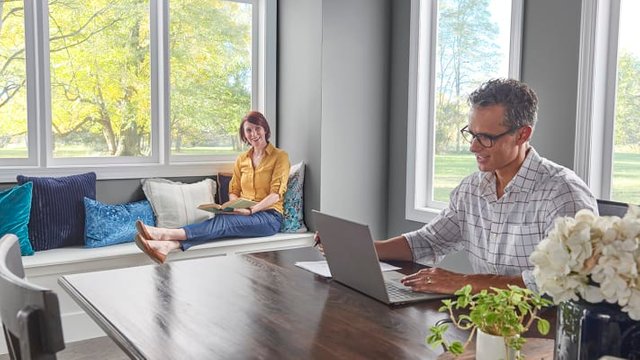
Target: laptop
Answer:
[[353, 261]]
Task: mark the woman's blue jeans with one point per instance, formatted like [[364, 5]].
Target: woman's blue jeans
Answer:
[[262, 223]]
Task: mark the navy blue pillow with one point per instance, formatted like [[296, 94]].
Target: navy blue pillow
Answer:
[[114, 224], [223, 179], [57, 209]]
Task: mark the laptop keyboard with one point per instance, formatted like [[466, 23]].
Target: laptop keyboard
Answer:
[[397, 293]]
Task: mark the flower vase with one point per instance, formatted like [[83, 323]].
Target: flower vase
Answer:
[[493, 347], [587, 331]]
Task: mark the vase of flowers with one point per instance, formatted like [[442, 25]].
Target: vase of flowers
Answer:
[[589, 265]]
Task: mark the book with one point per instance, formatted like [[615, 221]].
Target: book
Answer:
[[229, 206]]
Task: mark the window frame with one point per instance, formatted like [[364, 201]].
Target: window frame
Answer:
[[597, 76], [419, 205], [160, 163]]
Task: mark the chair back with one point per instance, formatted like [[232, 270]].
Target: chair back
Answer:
[[30, 314], [612, 208]]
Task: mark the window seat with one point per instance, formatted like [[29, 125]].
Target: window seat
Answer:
[[45, 267]]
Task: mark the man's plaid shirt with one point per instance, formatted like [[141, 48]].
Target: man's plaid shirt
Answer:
[[500, 234]]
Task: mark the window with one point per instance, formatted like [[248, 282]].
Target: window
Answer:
[[13, 82], [607, 138], [131, 88], [206, 99], [455, 46]]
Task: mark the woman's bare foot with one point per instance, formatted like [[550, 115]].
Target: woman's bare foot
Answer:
[[156, 250], [150, 233]]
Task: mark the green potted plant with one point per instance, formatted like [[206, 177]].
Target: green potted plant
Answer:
[[504, 314]]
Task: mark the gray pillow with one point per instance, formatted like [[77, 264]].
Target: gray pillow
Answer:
[[175, 204]]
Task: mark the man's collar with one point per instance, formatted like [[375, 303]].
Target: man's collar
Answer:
[[522, 181], [525, 177]]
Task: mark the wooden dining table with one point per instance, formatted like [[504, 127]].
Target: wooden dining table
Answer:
[[253, 306]]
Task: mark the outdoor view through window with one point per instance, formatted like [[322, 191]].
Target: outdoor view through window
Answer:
[[626, 142], [13, 81], [472, 46], [210, 55], [100, 71]]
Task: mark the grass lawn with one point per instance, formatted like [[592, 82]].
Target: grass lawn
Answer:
[[626, 178], [452, 168]]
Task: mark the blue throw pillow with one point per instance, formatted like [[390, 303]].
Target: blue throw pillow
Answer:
[[293, 201], [15, 207], [114, 224], [223, 179], [57, 209]]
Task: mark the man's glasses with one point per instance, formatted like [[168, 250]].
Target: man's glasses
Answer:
[[485, 140]]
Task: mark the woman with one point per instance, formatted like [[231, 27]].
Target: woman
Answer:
[[260, 174]]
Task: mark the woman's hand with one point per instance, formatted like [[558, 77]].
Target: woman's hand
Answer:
[[317, 243], [246, 212]]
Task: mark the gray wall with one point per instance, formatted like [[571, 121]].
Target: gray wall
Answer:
[[332, 107], [550, 66], [354, 141], [300, 91]]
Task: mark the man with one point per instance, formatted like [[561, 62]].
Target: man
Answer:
[[499, 214]]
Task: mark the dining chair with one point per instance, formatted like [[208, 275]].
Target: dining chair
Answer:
[[30, 314], [612, 208]]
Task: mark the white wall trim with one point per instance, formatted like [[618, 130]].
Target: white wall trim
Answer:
[[596, 94], [420, 163]]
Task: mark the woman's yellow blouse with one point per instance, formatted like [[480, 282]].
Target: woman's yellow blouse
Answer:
[[269, 177]]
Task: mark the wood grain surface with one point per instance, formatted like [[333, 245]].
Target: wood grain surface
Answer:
[[257, 306]]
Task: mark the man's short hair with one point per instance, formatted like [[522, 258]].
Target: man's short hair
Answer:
[[519, 100]]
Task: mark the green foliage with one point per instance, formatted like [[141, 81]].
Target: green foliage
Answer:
[[467, 54], [627, 126], [503, 312], [101, 74]]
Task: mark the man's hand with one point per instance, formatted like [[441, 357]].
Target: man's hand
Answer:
[[437, 280]]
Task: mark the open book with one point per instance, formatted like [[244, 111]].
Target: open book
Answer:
[[239, 203]]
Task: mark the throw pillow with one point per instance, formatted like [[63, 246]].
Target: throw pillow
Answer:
[[293, 201], [114, 224], [15, 207], [175, 204], [223, 180], [57, 209]]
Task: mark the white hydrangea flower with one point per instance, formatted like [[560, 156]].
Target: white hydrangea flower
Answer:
[[592, 257]]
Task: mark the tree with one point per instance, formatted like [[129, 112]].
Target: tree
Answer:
[[627, 126], [466, 52], [13, 112], [101, 73]]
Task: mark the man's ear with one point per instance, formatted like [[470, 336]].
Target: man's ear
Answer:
[[524, 134]]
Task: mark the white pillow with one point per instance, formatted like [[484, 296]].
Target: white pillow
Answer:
[[175, 204]]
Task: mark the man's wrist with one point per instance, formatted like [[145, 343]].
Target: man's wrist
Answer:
[[250, 211]]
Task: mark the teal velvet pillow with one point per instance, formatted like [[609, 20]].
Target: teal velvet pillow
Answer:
[[15, 210], [107, 224], [293, 201]]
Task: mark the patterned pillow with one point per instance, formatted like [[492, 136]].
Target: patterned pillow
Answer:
[[223, 180], [175, 204], [114, 224], [57, 209], [15, 207], [293, 201]]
